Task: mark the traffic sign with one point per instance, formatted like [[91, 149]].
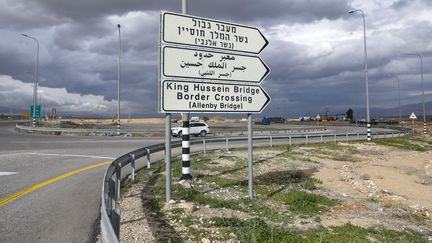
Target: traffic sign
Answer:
[[205, 97], [38, 111], [197, 31], [413, 116], [197, 64]]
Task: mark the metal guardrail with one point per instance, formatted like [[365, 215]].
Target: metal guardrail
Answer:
[[110, 212], [113, 132], [73, 131]]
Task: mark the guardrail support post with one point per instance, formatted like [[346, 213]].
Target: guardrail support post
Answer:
[[334, 137], [321, 137], [132, 167], [226, 144], [347, 137], [111, 195], [115, 221], [307, 139], [118, 182], [271, 141], [290, 142], [148, 158], [358, 135], [204, 146]]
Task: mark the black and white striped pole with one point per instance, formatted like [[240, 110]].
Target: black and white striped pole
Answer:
[[186, 173], [369, 137], [118, 83], [118, 127]]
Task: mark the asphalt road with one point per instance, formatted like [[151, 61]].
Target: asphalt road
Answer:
[[44, 197], [66, 210]]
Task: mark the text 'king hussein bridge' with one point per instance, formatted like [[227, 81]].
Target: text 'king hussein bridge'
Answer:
[[213, 97]]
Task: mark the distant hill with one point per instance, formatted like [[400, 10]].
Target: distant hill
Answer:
[[406, 110], [376, 112]]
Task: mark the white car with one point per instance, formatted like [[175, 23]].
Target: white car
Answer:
[[196, 128]]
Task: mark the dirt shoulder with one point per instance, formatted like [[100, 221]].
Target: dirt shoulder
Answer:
[[331, 192]]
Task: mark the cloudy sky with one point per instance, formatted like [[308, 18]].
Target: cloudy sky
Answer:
[[315, 52]]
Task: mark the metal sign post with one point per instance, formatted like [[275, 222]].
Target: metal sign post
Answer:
[[413, 130], [413, 117], [250, 157], [168, 156], [167, 138]]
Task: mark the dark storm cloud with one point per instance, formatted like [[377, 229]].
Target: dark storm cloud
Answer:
[[265, 12], [82, 9], [294, 10], [315, 51], [25, 15]]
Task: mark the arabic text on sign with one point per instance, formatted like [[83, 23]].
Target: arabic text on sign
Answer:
[[188, 63]]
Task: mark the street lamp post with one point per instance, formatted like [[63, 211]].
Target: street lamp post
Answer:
[[35, 78], [118, 83], [399, 103], [369, 138], [423, 99]]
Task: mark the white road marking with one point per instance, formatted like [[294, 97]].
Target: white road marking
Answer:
[[72, 155], [96, 141], [5, 173]]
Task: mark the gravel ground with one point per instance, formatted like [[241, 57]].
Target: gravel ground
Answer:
[[375, 186]]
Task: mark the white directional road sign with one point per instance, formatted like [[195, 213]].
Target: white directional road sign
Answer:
[[196, 31], [185, 96], [189, 63]]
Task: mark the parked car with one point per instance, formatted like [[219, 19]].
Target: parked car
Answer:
[[196, 129]]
